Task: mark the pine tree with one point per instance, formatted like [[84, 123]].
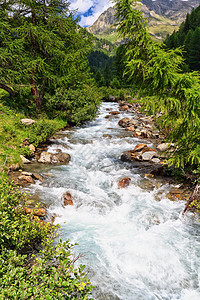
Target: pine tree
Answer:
[[107, 75], [99, 79], [54, 48], [194, 50]]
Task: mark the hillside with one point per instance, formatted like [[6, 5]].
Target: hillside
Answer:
[[164, 16]]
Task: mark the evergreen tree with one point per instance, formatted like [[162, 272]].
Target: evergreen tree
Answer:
[[54, 49], [107, 75], [194, 50], [99, 79]]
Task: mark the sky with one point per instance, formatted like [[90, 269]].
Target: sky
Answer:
[[90, 10]]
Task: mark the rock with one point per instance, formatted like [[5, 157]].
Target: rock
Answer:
[[137, 134], [28, 122], [40, 212], [146, 156], [163, 146], [61, 157], [27, 173], [114, 113], [32, 148], [53, 158], [124, 122], [25, 160], [28, 179], [133, 122], [111, 98], [107, 136], [45, 158], [124, 108], [131, 128], [155, 160], [139, 147], [122, 183], [149, 175], [14, 167], [107, 117], [126, 156], [37, 177], [25, 142], [67, 199]]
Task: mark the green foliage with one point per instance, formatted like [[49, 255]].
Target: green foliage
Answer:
[[74, 106], [188, 36], [51, 273], [157, 73]]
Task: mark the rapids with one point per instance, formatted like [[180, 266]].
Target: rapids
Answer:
[[135, 247]]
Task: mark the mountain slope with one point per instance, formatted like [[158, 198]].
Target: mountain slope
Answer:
[[165, 16]]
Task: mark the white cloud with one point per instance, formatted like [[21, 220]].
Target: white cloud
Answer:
[[96, 6]]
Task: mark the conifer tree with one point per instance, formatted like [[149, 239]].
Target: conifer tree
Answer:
[[54, 48]]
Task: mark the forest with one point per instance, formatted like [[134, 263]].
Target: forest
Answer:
[[52, 70]]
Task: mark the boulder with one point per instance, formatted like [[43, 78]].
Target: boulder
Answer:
[[155, 160], [124, 108], [124, 122], [122, 183], [67, 199], [45, 158], [139, 147], [126, 156], [146, 156], [114, 113], [25, 160], [131, 128], [53, 158], [163, 146], [28, 122], [37, 177], [26, 178]]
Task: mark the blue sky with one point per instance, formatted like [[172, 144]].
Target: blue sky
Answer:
[[90, 10]]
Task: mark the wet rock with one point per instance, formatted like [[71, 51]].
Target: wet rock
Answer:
[[27, 173], [131, 128], [124, 122], [107, 136], [149, 175], [28, 122], [114, 113], [137, 134], [61, 157], [133, 122], [146, 156], [126, 156], [122, 183], [28, 179], [107, 117], [124, 108], [37, 177], [40, 212], [140, 147], [67, 199], [45, 158], [25, 160]]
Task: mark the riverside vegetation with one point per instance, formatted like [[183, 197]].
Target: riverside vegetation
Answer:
[[45, 75]]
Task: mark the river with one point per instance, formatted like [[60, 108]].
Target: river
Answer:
[[134, 246]]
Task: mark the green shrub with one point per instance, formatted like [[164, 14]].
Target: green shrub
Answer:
[[47, 274], [75, 106]]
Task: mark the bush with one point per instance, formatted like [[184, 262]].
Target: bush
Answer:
[[75, 106], [50, 274]]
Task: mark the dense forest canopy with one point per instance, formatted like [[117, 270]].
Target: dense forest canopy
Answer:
[[188, 37]]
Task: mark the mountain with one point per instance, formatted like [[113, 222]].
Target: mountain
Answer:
[[165, 16]]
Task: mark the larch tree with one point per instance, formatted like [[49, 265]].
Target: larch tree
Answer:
[[54, 49]]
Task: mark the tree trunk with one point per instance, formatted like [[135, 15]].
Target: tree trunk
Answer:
[[34, 92], [7, 89]]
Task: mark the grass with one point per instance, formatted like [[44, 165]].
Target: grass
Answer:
[[13, 132]]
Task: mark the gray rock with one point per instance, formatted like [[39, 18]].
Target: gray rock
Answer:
[[25, 160], [155, 160], [163, 146], [45, 158], [53, 158], [146, 156], [28, 122]]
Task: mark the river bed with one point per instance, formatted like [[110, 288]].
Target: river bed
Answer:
[[136, 245]]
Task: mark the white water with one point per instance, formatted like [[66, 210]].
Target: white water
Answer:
[[134, 246]]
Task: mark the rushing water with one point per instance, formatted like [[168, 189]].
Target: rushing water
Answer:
[[135, 247]]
